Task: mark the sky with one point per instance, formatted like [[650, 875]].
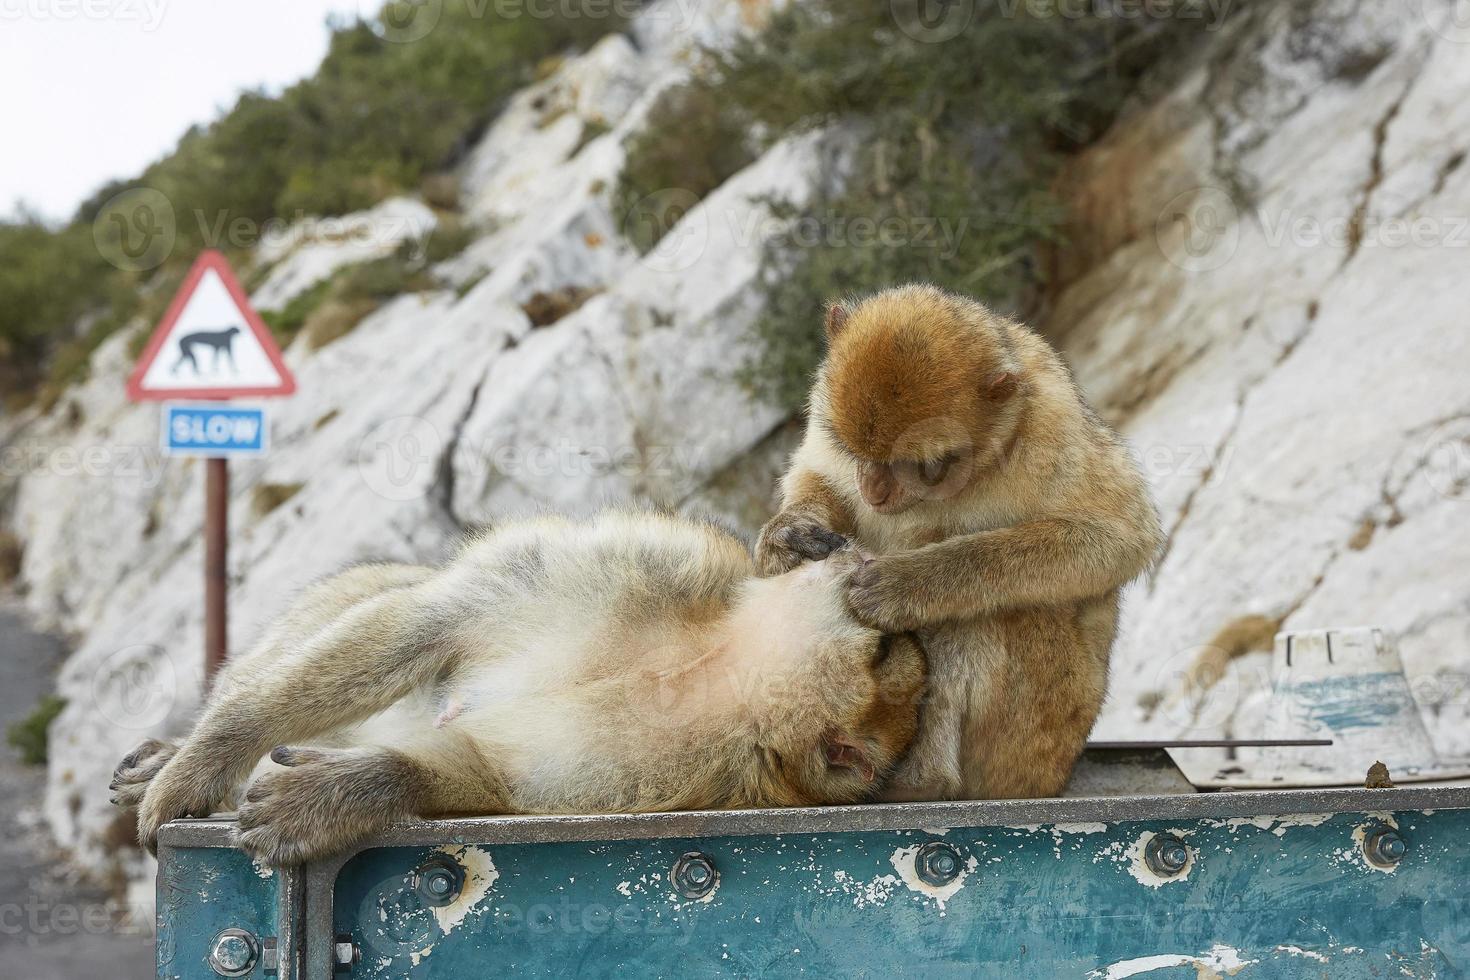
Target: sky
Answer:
[[98, 89]]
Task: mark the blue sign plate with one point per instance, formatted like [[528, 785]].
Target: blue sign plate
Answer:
[[196, 429]]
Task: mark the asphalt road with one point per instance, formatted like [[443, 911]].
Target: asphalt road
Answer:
[[54, 925]]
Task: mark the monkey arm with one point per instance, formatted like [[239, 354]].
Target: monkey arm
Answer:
[[1035, 563], [362, 662], [358, 664], [812, 523]]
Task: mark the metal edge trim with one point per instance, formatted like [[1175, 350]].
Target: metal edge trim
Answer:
[[217, 831]]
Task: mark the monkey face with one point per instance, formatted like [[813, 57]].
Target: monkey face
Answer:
[[856, 691], [917, 390]]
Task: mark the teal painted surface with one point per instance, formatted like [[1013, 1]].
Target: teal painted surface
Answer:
[[202, 892], [1270, 899], [1357, 701]]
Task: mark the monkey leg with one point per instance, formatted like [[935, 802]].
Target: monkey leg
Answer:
[[931, 769], [358, 664], [324, 802], [1035, 705]]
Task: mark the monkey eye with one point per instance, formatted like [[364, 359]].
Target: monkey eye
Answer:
[[934, 471]]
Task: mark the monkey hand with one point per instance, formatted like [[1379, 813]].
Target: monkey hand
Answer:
[[131, 778], [322, 803], [884, 596], [790, 538], [184, 787]]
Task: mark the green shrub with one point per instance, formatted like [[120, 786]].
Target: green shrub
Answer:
[[963, 138], [377, 118], [693, 143], [29, 735]]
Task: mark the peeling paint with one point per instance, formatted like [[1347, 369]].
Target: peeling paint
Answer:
[[1138, 866], [1220, 961], [903, 862], [1278, 825], [1298, 951], [479, 875]]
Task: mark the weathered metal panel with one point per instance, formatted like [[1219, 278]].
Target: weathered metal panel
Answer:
[[1043, 888], [202, 892], [1274, 897]]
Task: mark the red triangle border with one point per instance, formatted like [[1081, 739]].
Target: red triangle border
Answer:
[[209, 259]]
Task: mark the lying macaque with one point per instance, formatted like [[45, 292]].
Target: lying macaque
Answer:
[[632, 663]]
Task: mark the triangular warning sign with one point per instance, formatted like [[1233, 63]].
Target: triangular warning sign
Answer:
[[210, 344]]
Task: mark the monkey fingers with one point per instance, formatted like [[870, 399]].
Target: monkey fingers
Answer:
[[878, 595], [791, 539], [322, 803], [184, 787], [133, 774]]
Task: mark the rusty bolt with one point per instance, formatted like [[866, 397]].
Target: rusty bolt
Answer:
[[938, 862], [1166, 855], [694, 875], [1385, 847], [438, 881]]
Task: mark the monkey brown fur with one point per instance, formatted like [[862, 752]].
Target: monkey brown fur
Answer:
[[1006, 517], [630, 663]]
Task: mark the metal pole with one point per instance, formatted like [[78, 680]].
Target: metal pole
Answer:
[[216, 537]]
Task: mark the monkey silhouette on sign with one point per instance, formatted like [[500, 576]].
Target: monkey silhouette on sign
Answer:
[[223, 341]]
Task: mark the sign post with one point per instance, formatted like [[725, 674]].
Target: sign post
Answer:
[[211, 344]]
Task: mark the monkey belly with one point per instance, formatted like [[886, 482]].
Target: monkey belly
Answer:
[[1012, 699]]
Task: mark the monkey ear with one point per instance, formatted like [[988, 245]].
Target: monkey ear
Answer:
[[843, 753], [837, 315], [1001, 385]]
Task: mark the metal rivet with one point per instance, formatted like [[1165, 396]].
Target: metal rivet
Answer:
[[233, 953], [694, 875], [1166, 855], [938, 862], [345, 953], [438, 881], [1385, 847]]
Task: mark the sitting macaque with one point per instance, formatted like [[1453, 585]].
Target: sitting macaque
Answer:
[[1005, 516], [630, 663]]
